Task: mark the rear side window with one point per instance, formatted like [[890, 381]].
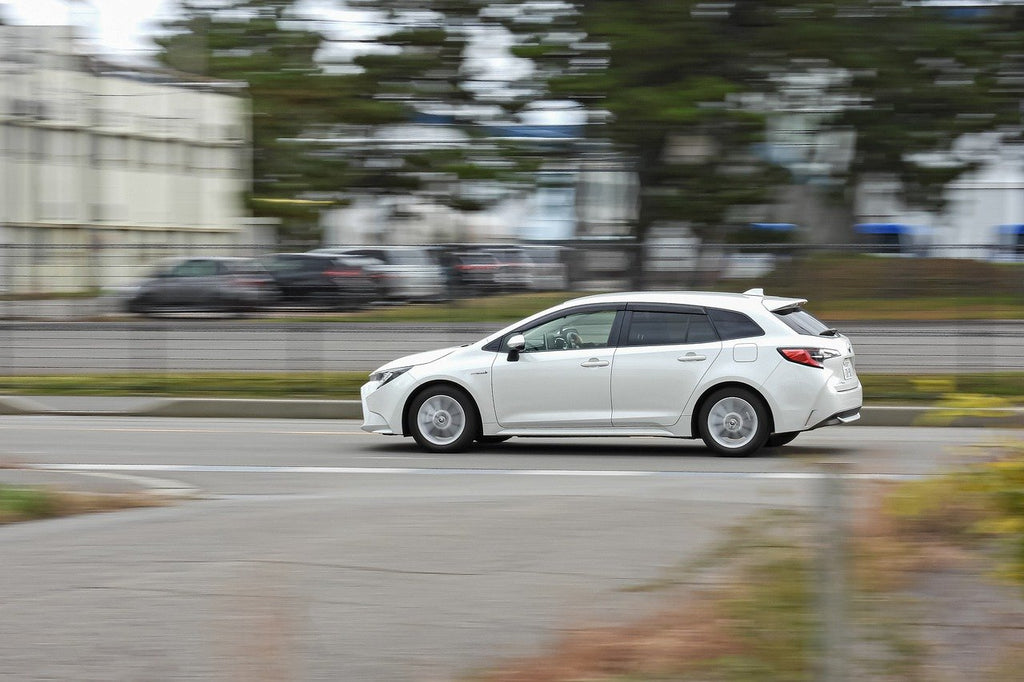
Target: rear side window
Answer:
[[196, 268], [663, 328], [733, 325], [802, 322]]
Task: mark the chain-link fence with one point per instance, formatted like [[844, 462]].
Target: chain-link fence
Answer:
[[66, 310], [39, 270]]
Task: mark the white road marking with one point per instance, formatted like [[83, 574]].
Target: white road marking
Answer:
[[150, 429], [162, 487], [251, 469]]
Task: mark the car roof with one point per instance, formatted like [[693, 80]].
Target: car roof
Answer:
[[748, 300], [753, 301]]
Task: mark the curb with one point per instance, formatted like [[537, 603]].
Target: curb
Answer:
[[229, 408], [12, 404], [232, 408], [102, 483]]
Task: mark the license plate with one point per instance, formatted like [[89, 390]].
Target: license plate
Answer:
[[847, 370]]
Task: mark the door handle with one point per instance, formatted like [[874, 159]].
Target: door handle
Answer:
[[594, 362], [692, 357]]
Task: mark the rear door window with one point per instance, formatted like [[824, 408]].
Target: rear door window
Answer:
[[733, 325], [665, 328]]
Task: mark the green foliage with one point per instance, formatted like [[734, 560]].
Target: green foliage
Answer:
[[878, 388], [840, 276], [285, 385], [984, 501], [22, 504], [974, 391], [916, 78], [775, 620], [426, 68], [260, 43]]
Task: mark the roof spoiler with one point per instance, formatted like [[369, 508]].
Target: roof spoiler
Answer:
[[775, 303]]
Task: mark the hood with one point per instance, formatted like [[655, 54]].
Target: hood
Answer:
[[419, 358]]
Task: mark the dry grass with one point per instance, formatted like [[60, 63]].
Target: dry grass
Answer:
[[915, 567], [668, 643], [889, 550], [19, 504], [750, 618]]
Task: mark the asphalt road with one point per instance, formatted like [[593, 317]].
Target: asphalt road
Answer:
[[318, 552], [184, 344]]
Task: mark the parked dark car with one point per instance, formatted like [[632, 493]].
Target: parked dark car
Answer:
[[211, 284], [471, 273], [323, 280]]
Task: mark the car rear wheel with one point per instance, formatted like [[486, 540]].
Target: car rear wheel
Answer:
[[777, 440], [443, 419], [733, 422]]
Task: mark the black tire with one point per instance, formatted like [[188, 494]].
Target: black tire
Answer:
[[491, 440], [733, 422], [443, 419], [777, 440], [139, 305]]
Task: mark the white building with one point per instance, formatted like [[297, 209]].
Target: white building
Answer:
[[981, 205], [104, 170]]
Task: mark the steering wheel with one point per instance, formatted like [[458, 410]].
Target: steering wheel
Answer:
[[572, 338]]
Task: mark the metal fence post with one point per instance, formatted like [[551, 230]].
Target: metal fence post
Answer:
[[832, 592]]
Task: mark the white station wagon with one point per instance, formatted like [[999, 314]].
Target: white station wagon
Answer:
[[740, 371]]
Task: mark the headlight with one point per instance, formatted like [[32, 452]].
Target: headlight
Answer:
[[386, 375]]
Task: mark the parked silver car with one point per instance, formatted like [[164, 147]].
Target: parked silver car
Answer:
[[405, 273]]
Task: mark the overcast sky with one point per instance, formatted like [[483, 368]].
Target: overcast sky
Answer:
[[119, 26], [123, 28]]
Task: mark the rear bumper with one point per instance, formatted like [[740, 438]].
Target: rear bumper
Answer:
[[844, 417]]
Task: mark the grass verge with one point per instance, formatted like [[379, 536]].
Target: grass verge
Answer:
[[496, 309], [989, 390], [921, 601], [753, 617], [29, 503], [283, 385], [510, 308]]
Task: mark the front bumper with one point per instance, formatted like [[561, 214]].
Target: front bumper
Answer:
[[382, 406]]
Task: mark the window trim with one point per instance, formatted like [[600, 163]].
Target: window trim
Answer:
[[667, 308]]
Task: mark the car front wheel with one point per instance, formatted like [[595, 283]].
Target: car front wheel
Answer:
[[733, 422], [443, 419]]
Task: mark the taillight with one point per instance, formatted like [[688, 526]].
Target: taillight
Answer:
[[812, 357], [342, 273]]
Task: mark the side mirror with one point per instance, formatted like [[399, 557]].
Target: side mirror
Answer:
[[515, 344]]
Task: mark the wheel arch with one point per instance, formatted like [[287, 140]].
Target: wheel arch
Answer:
[[406, 431], [699, 404]]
